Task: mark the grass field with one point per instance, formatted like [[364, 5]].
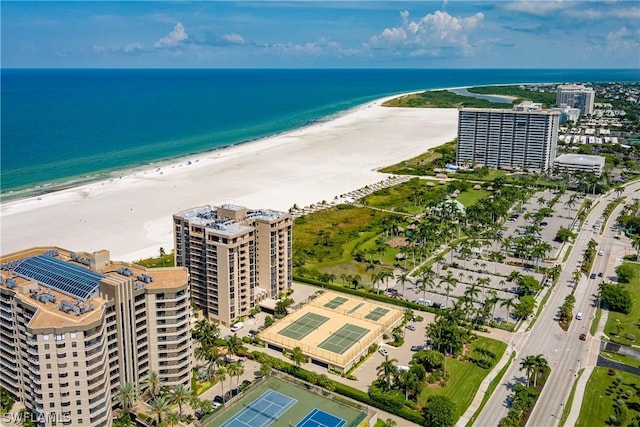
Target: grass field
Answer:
[[601, 394], [629, 323], [466, 377], [306, 402], [471, 197], [627, 360]]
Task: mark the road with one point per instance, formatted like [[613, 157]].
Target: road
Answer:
[[564, 351]]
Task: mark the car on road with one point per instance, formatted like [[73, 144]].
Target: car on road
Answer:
[[592, 276], [417, 347], [410, 327], [583, 337], [383, 351], [601, 274], [600, 253], [579, 316]]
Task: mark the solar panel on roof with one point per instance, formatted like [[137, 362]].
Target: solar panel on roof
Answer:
[[62, 276]]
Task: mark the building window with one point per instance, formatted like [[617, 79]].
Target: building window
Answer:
[[46, 346], [52, 405], [45, 337], [58, 337], [72, 335], [49, 376]]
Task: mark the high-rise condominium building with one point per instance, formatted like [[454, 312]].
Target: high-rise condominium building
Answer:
[[235, 256], [523, 138], [74, 327], [576, 96]]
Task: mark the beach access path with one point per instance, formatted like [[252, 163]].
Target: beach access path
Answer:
[[131, 216]]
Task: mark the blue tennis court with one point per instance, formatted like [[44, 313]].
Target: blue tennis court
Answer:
[[263, 411], [319, 418]]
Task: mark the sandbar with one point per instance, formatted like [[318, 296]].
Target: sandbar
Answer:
[[131, 216]]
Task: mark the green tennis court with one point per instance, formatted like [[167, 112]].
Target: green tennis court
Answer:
[[344, 338], [376, 314], [303, 326], [336, 302]]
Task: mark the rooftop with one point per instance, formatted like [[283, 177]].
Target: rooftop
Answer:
[[580, 159]]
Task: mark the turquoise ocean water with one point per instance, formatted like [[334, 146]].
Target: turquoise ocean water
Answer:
[[63, 127]]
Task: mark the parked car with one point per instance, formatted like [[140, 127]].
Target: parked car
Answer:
[[417, 347], [252, 333], [410, 327], [199, 413], [218, 399], [583, 337], [215, 405], [383, 351]]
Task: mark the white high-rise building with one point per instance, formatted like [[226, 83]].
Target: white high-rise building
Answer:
[[523, 138], [576, 96]]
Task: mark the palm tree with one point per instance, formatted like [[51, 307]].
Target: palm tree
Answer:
[[232, 370], [127, 395], [211, 354], [180, 395], [541, 364], [450, 283], [385, 275], [159, 408], [298, 357], [172, 418], [529, 365], [239, 372], [221, 375], [386, 370], [234, 345], [265, 369], [484, 281], [403, 278], [509, 304], [152, 384]]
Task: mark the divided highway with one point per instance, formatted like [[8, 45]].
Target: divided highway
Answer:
[[564, 351]]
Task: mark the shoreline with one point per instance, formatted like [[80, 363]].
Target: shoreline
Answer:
[[131, 215]]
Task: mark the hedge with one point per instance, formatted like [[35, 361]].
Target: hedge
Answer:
[[338, 387], [368, 295]]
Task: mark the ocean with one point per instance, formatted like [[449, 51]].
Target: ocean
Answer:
[[63, 127]]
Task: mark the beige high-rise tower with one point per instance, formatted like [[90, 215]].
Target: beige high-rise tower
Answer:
[[75, 327], [235, 256]]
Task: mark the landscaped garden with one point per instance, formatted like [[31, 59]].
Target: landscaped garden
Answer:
[[611, 398], [624, 328]]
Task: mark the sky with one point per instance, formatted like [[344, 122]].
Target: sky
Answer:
[[314, 34]]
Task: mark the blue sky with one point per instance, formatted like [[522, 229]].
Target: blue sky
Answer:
[[309, 34]]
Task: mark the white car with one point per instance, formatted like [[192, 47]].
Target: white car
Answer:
[[383, 351]]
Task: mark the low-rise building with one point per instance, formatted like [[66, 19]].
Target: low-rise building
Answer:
[[579, 162]]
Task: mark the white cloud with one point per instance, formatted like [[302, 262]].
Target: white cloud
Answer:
[[133, 47], [534, 7], [174, 38], [233, 38], [622, 40], [593, 14], [130, 48], [431, 32]]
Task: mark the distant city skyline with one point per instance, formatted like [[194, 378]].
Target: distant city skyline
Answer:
[[302, 34]]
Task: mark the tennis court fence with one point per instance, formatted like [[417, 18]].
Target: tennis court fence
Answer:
[[367, 413]]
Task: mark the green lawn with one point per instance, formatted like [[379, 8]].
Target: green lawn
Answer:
[[471, 197], [465, 377], [629, 323], [601, 394], [630, 361]]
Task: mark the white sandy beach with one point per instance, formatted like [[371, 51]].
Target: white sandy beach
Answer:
[[132, 216]]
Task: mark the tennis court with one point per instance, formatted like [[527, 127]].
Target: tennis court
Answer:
[[336, 302], [377, 314], [344, 338], [303, 326], [274, 402], [263, 411], [319, 418]]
